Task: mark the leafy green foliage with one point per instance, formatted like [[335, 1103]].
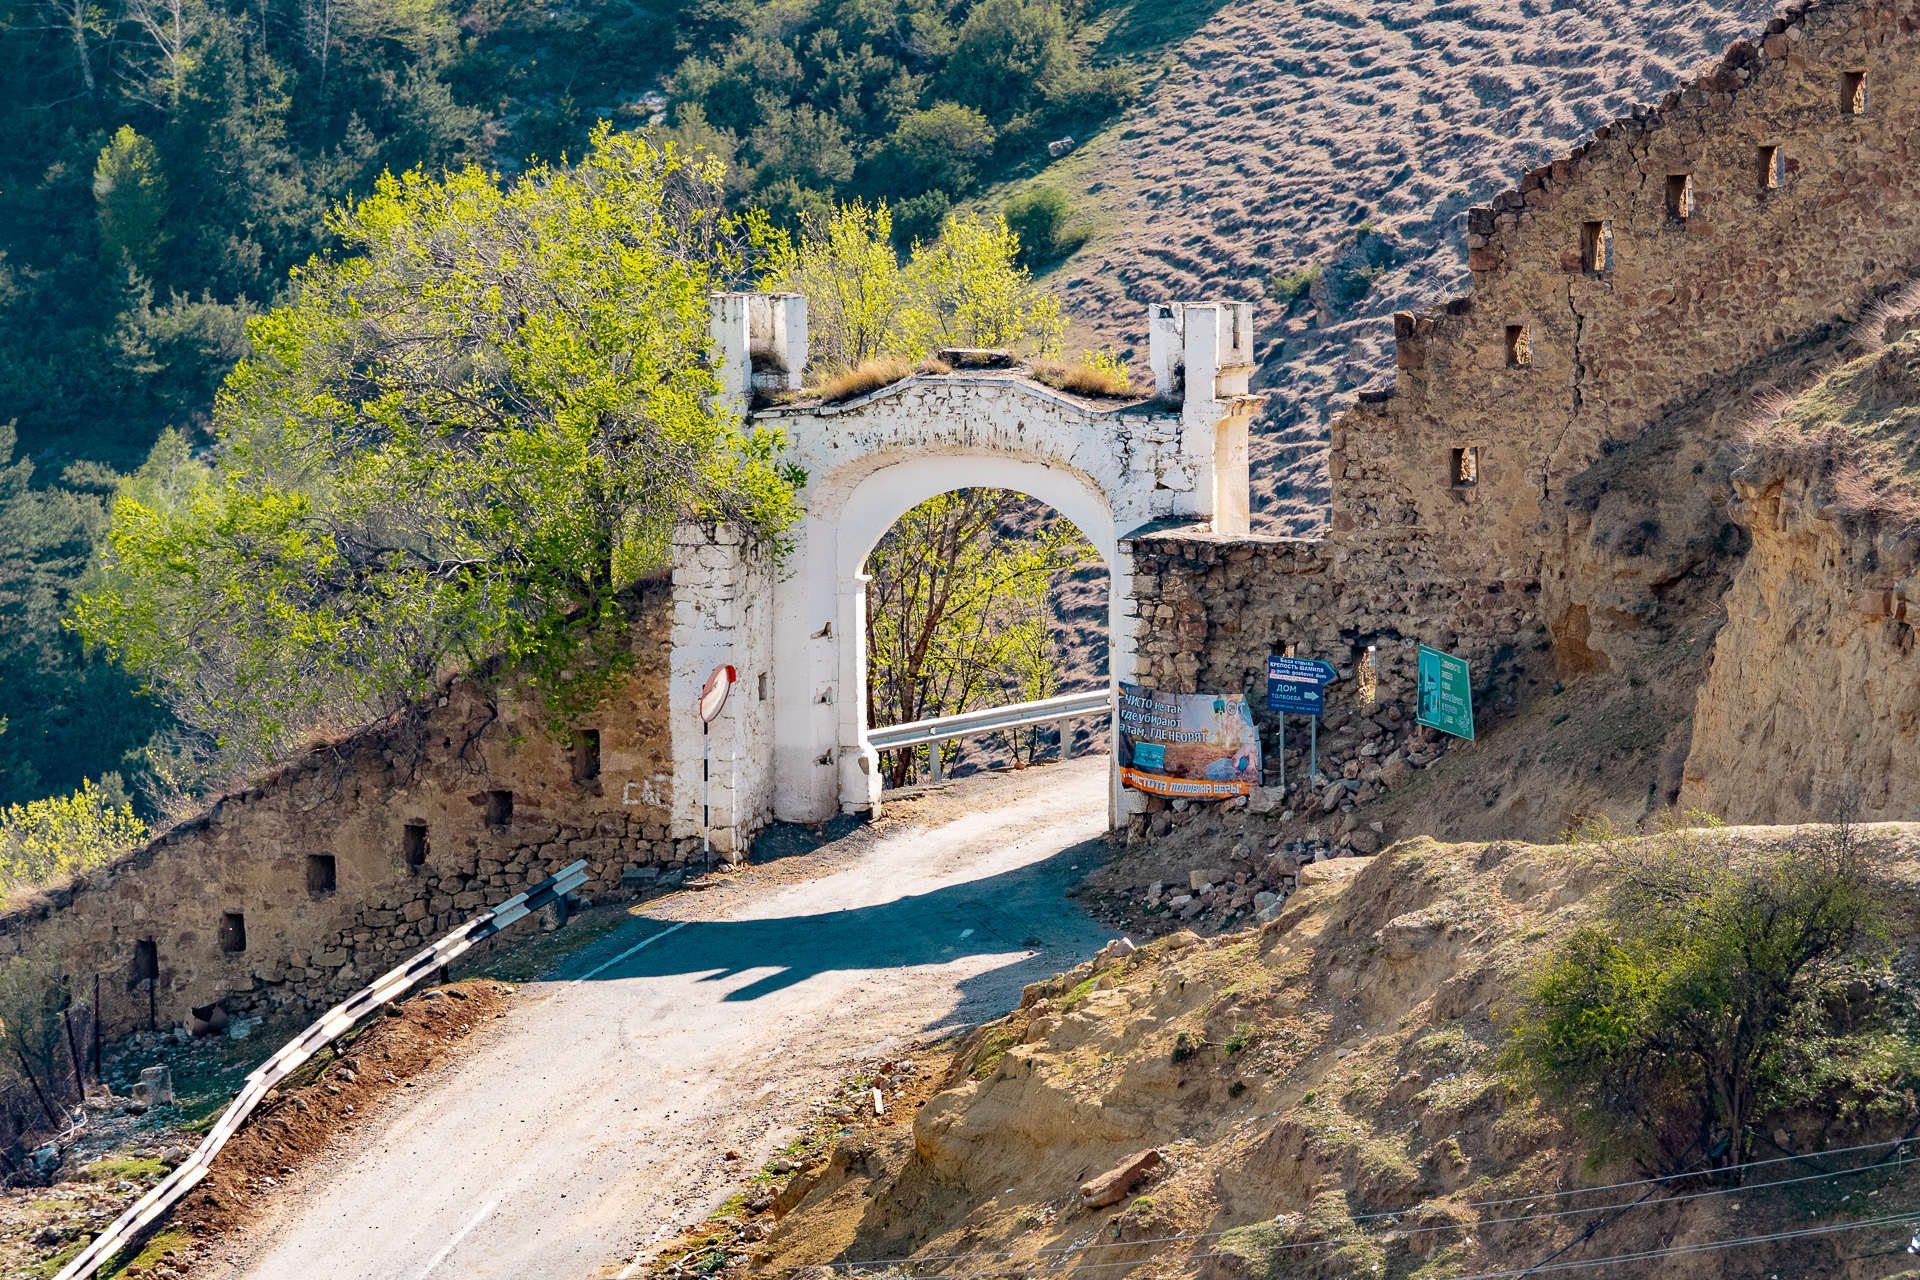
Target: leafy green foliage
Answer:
[[1290, 288], [958, 612], [895, 99], [964, 289], [465, 443], [1696, 1011], [65, 714], [45, 839], [131, 193], [1039, 218]]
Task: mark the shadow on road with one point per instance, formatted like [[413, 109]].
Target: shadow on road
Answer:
[[1014, 913]]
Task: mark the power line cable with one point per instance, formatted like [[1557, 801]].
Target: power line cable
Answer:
[[1643, 1255], [1478, 1204]]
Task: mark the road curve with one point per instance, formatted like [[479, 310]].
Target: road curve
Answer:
[[595, 1120]]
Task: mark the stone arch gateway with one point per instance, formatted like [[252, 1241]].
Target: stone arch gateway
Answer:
[[794, 745]]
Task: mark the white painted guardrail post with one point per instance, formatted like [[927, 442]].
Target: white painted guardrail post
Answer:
[[143, 1212]]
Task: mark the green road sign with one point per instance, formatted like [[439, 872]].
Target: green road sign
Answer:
[[1446, 695]]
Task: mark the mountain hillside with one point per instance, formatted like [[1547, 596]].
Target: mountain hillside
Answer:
[[1343, 142]]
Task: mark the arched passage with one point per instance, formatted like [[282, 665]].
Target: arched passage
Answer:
[[797, 749], [880, 500]]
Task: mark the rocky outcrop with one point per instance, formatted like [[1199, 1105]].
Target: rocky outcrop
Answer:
[[1812, 706]]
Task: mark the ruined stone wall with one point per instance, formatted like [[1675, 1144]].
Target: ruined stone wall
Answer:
[[1744, 212], [1211, 610], [327, 872], [1545, 488]]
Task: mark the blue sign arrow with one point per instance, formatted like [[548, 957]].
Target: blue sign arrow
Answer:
[[1297, 686]]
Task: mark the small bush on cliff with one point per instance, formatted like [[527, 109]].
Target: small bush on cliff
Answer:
[[60, 835], [1718, 991]]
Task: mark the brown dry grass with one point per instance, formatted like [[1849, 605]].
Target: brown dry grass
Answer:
[[1085, 379], [869, 375]]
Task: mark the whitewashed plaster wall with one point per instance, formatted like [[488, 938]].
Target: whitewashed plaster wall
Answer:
[[722, 615], [871, 459]]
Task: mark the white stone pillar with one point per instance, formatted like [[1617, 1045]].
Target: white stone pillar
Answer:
[[859, 763], [732, 357], [1163, 345]]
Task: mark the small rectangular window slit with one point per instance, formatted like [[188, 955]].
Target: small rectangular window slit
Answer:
[[586, 755], [233, 933], [763, 686], [1519, 347], [1679, 196], [1771, 166], [413, 844], [1596, 246], [1465, 469], [1853, 93], [320, 873], [146, 961], [499, 808]]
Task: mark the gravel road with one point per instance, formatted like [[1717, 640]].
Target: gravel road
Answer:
[[594, 1119]]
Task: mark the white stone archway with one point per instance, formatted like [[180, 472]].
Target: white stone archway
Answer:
[[797, 750]]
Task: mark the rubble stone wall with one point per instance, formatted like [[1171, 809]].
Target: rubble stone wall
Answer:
[[339, 864], [1742, 213]]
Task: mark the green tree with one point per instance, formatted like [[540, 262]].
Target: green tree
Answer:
[[1693, 1013], [941, 145], [1007, 55], [467, 441], [1039, 218], [46, 839], [131, 194], [957, 610], [969, 290], [845, 264]]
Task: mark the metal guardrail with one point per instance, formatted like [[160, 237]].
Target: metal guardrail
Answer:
[[967, 724], [143, 1212]]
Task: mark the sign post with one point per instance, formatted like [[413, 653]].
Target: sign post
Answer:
[[713, 699], [1298, 686], [1445, 699]]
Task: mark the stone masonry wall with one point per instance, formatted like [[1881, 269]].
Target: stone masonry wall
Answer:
[[338, 865], [1743, 212], [1626, 300], [1211, 610]]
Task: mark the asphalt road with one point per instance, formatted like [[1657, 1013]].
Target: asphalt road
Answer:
[[594, 1120]]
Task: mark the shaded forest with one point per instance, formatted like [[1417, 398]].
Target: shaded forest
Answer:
[[169, 161]]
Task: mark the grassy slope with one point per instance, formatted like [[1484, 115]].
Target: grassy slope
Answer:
[[1324, 1091], [1269, 129]]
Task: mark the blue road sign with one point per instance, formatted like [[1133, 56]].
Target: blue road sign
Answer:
[[1297, 686]]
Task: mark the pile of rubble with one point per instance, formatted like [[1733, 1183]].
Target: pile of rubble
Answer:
[[1359, 758]]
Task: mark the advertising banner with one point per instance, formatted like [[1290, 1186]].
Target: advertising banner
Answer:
[[1445, 695], [1187, 744]]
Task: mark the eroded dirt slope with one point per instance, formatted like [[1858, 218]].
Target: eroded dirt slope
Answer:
[[1323, 1094]]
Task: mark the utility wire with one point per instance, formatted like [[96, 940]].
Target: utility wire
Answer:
[[1643, 1255], [1656, 1183]]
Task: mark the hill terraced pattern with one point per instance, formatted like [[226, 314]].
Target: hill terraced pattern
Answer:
[[1276, 129]]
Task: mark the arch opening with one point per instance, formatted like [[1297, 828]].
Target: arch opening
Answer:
[[975, 598]]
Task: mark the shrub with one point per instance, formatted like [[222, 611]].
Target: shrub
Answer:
[[1039, 218], [941, 144], [1290, 288], [869, 375], [1689, 1018], [919, 220], [1101, 373]]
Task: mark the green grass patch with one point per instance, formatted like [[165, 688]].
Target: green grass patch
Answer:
[[992, 1049], [132, 1170], [152, 1252]]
